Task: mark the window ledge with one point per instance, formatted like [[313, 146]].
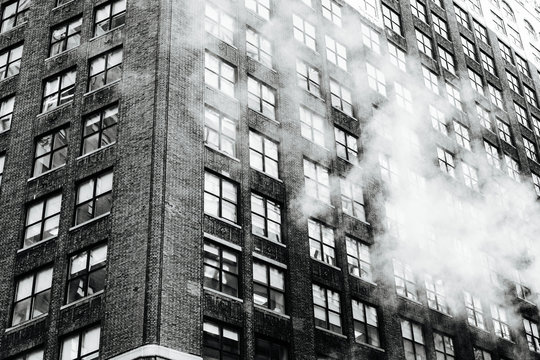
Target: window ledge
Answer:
[[223, 41], [84, 299], [440, 312], [221, 152], [41, 114], [364, 280], [270, 261], [272, 312], [357, 218], [89, 221], [26, 323], [409, 299], [318, 97], [106, 86], [9, 77], [222, 241], [327, 264], [525, 300], [46, 172], [510, 341], [370, 346], [230, 97], [331, 332], [14, 28], [270, 176], [50, 58], [478, 328], [213, 291], [344, 113], [266, 117], [270, 240], [107, 32], [94, 151], [64, 4], [36, 244], [229, 222], [259, 62]]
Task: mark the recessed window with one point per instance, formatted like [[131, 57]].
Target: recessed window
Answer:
[[461, 16], [109, 16], [470, 175], [359, 259], [512, 168], [261, 98], [352, 199], [321, 242], [2, 163], [447, 60], [366, 323], [259, 7], [440, 26], [58, 90], [370, 38], [269, 286], [404, 280], [476, 81], [391, 19], [463, 136], [265, 217], [522, 66], [65, 36], [14, 14], [51, 151], [487, 63], [436, 297], [530, 149], [513, 34], [32, 296], [327, 308], [536, 125], [341, 97], [94, 198], [403, 96], [531, 333], [495, 95], [346, 145], [6, 113], [481, 354], [389, 171], [221, 268], [312, 126], [258, 47], [413, 340], [332, 11], [506, 52], [492, 155], [475, 314], [438, 121], [424, 43], [430, 80], [480, 32], [266, 349], [317, 181], [86, 274], [484, 118], [500, 321], [100, 130], [513, 82], [446, 162], [336, 53], [219, 23], [42, 220], [503, 130], [36, 354], [444, 346], [530, 95], [304, 32], [81, 345], [220, 341], [309, 78], [263, 154], [468, 48], [220, 197], [105, 69], [454, 97], [10, 61], [219, 131], [376, 79], [418, 9], [536, 183], [397, 56]]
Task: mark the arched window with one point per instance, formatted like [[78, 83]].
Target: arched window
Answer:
[[530, 30], [508, 12]]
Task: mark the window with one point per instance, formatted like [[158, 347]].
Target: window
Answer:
[[309, 78], [513, 82], [81, 345], [388, 168], [397, 56], [530, 96], [436, 297], [461, 16], [221, 268], [58, 90], [536, 125], [32, 296], [495, 96], [6, 113], [437, 120], [462, 135], [504, 131], [269, 350], [413, 340], [220, 342], [100, 130], [487, 63], [51, 151], [219, 131], [404, 280], [65, 36], [219, 23], [359, 259], [391, 19], [476, 81], [492, 155], [480, 354], [14, 14], [376, 79], [440, 26], [366, 323], [268, 286], [220, 197], [105, 69], [332, 11], [477, 8], [446, 162], [2, 163], [508, 12], [500, 322], [418, 9], [346, 145], [327, 309], [312, 126], [454, 96], [86, 274], [321, 242], [530, 30], [109, 16], [263, 154], [536, 183], [336, 53], [470, 175], [10, 62], [444, 346], [447, 60], [530, 149], [403, 97], [352, 199], [475, 315], [468, 48], [499, 23], [265, 217], [424, 43], [535, 53], [370, 38], [506, 52], [512, 167], [480, 32], [304, 32], [258, 47], [522, 66], [261, 98], [515, 37], [30, 355], [430, 80], [531, 333], [259, 7], [42, 220], [483, 117], [94, 198], [219, 74], [317, 181], [341, 97]]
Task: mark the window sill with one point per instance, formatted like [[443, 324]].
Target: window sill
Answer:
[[89, 221], [105, 33], [25, 323], [270, 176], [213, 291], [270, 261], [266, 117], [409, 299], [526, 301], [229, 222], [14, 28], [327, 264], [94, 151], [229, 96], [64, 4], [9, 77], [272, 312], [221, 152], [364, 280], [442, 313], [370, 346], [259, 62], [331, 332], [270, 240], [65, 105], [46, 172], [84, 299], [478, 328], [223, 41], [344, 113], [510, 341], [36, 244], [50, 58], [222, 242], [106, 86]]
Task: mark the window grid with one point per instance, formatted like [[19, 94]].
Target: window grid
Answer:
[[530, 96], [220, 342], [51, 151], [484, 118], [6, 113], [413, 340], [304, 32], [468, 48], [536, 184], [487, 63], [404, 280], [86, 274], [346, 145], [317, 181], [10, 61], [81, 345], [418, 9], [463, 137], [391, 19], [219, 131], [32, 296], [512, 168], [424, 43], [403, 97], [480, 354], [332, 11], [506, 52], [105, 69], [58, 90], [461, 16], [100, 130], [531, 333], [219, 74], [447, 60], [438, 120], [261, 98], [218, 23], [269, 286], [397, 56], [312, 126], [341, 97], [444, 347], [454, 96], [500, 321], [321, 242], [475, 315], [436, 297], [42, 220], [476, 81], [470, 175], [65, 36], [440, 26], [14, 13], [327, 308], [220, 197], [94, 198], [359, 259], [309, 78], [530, 149], [480, 32], [263, 154], [265, 217], [495, 95], [513, 82], [370, 38], [492, 155], [352, 199], [523, 66], [536, 125], [376, 79], [430, 80], [109, 16], [259, 7], [366, 323], [503, 130], [499, 23], [336, 53], [446, 162], [258, 47], [221, 268]]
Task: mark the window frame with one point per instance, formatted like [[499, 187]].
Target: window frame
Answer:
[[101, 113], [47, 271], [111, 18], [95, 197], [65, 36], [85, 274]]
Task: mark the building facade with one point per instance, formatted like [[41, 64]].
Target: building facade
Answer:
[[180, 179]]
